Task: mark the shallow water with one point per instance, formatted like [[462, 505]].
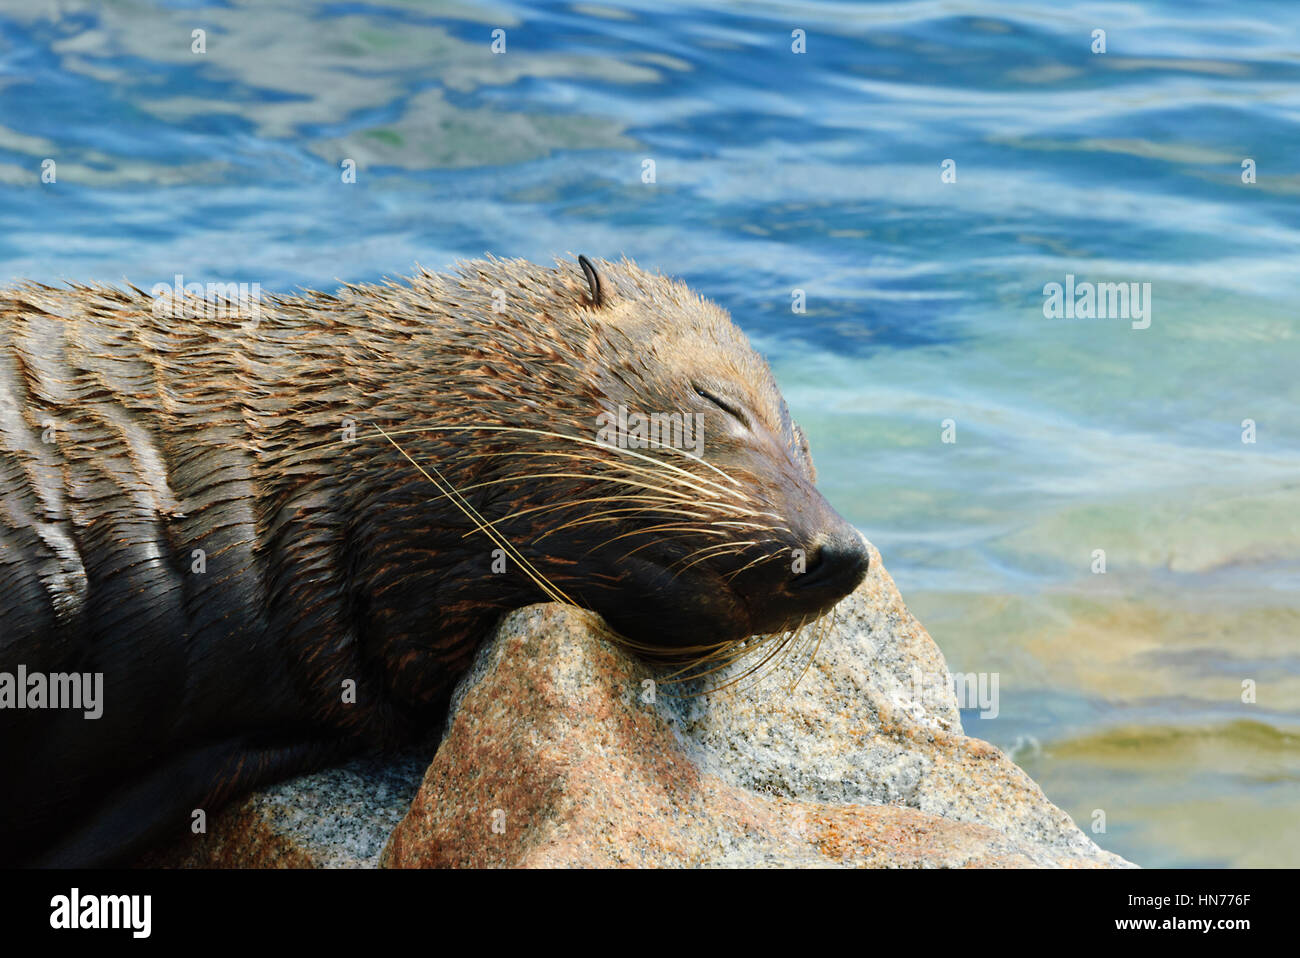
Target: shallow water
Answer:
[[821, 172]]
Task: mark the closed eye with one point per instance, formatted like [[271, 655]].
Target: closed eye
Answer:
[[731, 409]]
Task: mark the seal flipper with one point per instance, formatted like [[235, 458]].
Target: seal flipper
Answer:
[[158, 806]]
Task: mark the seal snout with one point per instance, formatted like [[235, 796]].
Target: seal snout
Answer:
[[785, 595], [834, 568]]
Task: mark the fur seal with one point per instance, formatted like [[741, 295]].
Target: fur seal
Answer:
[[277, 532]]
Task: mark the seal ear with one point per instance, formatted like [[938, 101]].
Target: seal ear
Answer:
[[593, 280]]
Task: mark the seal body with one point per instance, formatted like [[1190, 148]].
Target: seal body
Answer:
[[274, 534]]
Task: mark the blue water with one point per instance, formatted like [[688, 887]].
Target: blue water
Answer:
[[821, 172]]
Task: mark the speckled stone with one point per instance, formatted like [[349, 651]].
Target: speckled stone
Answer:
[[336, 818], [554, 757], [855, 730], [556, 753]]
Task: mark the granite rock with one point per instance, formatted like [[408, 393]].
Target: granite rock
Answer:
[[561, 749], [336, 818]]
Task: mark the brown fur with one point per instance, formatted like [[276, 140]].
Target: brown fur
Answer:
[[128, 440]]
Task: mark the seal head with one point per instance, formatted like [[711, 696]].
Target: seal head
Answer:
[[677, 544]]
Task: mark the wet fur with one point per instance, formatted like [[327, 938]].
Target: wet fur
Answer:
[[327, 560]]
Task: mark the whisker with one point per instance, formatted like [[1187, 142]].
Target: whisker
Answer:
[[778, 648], [748, 565], [765, 652], [531, 454], [735, 546], [575, 475], [669, 527], [601, 517], [569, 504], [723, 654], [599, 445], [781, 639], [820, 633], [466, 507], [687, 530], [708, 547], [743, 524]]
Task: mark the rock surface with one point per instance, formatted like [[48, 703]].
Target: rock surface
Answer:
[[336, 818], [561, 749]]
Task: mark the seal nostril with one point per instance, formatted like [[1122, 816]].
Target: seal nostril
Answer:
[[836, 566]]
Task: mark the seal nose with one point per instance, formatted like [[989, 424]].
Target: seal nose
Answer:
[[835, 568]]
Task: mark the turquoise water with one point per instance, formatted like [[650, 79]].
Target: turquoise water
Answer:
[[821, 171]]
